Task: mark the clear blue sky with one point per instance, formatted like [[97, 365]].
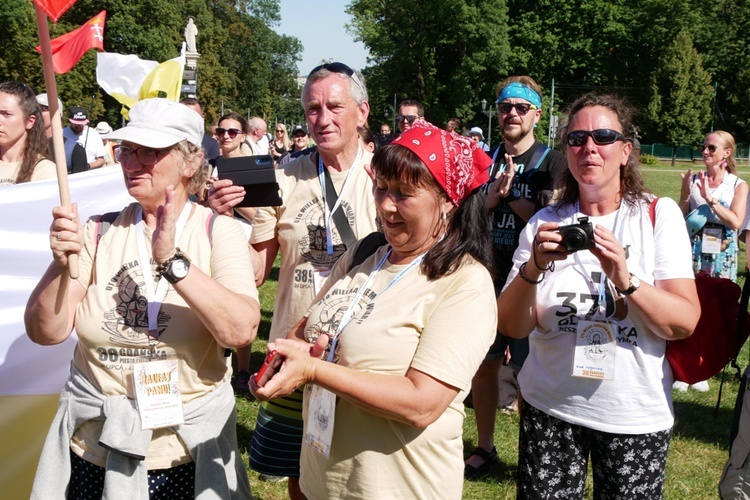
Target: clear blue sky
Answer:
[[320, 27]]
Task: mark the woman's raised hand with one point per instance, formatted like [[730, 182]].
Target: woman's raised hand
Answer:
[[163, 240]]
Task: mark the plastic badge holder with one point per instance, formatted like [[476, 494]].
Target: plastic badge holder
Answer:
[[696, 219], [256, 174]]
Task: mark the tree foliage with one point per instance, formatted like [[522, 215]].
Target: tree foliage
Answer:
[[447, 55], [244, 65], [583, 45], [681, 92]]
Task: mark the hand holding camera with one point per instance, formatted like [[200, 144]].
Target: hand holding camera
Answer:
[[577, 237]]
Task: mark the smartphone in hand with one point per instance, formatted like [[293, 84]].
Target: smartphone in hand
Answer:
[[268, 369]]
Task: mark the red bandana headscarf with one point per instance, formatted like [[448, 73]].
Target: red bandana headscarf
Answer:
[[458, 163]]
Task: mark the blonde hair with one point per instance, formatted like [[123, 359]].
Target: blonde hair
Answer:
[[728, 140]]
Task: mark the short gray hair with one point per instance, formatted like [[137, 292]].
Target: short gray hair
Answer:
[[357, 90]]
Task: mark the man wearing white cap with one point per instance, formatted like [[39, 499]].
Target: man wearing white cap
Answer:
[[89, 138], [103, 129], [75, 155], [476, 135]]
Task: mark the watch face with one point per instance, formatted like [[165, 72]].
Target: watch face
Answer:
[[634, 282], [179, 268], [516, 193]]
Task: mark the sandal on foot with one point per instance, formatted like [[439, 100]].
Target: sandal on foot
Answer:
[[490, 459]]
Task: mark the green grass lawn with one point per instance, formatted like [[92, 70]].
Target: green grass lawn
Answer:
[[699, 446]]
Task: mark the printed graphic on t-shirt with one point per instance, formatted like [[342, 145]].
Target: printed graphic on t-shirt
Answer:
[[313, 245], [576, 306], [334, 307], [127, 322], [506, 225]]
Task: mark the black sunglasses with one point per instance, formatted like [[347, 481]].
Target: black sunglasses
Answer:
[[711, 148], [338, 67], [407, 118], [601, 137], [521, 107], [231, 131]]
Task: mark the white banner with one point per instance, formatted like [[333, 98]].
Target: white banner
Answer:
[[26, 214]]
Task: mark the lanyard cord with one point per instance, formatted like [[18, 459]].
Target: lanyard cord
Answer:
[[329, 211], [155, 296]]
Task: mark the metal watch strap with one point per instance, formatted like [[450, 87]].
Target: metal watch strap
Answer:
[[162, 270]]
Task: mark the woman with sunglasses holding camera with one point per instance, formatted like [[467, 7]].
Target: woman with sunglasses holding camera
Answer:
[[596, 382], [715, 245]]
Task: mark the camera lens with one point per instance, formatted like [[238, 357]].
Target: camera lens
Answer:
[[575, 239]]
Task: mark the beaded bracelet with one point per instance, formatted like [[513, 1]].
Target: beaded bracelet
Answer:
[[527, 280]]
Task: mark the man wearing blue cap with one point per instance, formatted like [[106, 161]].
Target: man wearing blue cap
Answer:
[[521, 180]]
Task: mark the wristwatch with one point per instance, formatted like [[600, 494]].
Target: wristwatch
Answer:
[[635, 283], [513, 195], [175, 268]]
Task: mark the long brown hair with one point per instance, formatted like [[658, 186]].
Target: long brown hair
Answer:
[[632, 186], [35, 142], [467, 232]]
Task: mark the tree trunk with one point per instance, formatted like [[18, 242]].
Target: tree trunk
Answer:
[[674, 155]]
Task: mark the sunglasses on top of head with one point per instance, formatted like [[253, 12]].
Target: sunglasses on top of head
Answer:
[[407, 118], [601, 137], [231, 131], [338, 67], [711, 148], [521, 107]]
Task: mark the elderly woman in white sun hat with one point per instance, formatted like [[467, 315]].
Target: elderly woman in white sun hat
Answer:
[[148, 410]]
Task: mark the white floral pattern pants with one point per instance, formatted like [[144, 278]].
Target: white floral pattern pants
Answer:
[[553, 458]]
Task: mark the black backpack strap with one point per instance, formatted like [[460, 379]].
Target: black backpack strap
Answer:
[[368, 246], [339, 218]]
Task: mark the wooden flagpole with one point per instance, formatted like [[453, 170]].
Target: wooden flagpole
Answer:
[[56, 122]]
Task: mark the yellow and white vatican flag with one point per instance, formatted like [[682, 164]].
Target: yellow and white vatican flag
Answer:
[[31, 376], [121, 76], [130, 79]]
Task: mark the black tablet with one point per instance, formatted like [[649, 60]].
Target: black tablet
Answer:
[[256, 174]]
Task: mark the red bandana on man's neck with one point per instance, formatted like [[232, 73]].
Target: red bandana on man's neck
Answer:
[[458, 163]]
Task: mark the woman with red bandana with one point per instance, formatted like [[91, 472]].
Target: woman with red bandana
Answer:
[[403, 332]]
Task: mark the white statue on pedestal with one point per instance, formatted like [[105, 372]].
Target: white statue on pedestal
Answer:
[[191, 31]]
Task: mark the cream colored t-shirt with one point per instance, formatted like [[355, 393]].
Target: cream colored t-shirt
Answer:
[[299, 226], [45, 169], [442, 328], [112, 320]]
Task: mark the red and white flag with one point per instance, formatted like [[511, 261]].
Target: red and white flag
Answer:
[[68, 49], [54, 8]]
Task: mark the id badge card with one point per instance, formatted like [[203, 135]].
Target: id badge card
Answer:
[[712, 240], [320, 275], [321, 414], [595, 351], [156, 386]]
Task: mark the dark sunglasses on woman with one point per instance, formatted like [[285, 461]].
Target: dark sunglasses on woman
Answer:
[[601, 136], [711, 148], [231, 131]]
